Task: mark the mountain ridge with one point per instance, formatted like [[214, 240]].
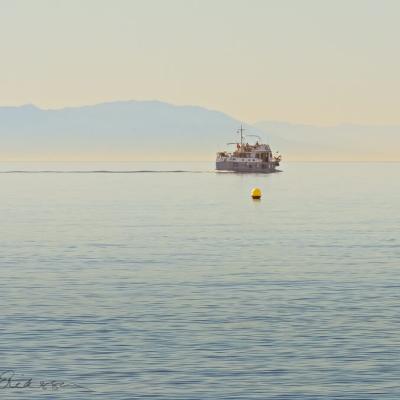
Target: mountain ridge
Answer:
[[132, 130]]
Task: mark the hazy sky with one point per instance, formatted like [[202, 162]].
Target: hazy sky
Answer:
[[308, 61]]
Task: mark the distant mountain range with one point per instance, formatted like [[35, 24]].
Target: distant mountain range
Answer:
[[153, 130], [131, 130]]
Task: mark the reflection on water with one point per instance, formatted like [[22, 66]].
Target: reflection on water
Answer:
[[180, 286]]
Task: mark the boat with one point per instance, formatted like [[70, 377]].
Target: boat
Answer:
[[247, 157]]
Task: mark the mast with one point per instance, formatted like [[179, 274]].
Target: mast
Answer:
[[241, 134]]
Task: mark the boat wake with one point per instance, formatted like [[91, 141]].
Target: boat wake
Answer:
[[144, 171]]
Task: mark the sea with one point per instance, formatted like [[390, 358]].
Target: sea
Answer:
[[168, 281]]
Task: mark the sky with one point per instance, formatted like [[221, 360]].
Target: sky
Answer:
[[321, 62]]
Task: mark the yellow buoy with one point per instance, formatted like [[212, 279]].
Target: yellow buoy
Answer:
[[256, 193]]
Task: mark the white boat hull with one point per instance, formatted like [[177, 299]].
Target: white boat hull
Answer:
[[264, 167]]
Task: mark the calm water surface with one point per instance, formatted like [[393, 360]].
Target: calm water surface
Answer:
[[176, 285]]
